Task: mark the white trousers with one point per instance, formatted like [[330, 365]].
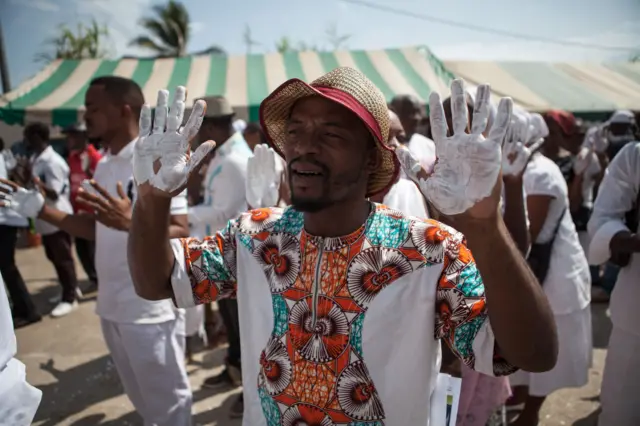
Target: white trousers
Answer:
[[151, 365], [620, 393]]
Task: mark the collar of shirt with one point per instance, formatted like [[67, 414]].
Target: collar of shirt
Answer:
[[126, 153], [43, 156]]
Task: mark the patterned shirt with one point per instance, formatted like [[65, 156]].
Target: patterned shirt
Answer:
[[342, 331]]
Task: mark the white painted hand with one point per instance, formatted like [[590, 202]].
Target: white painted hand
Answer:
[[169, 147], [468, 165], [515, 153], [516, 156], [27, 203], [263, 182]]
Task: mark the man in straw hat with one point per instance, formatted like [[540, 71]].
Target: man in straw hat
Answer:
[[341, 298]]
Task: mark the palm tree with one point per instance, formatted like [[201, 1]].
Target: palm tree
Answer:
[[87, 42], [168, 30], [284, 45]]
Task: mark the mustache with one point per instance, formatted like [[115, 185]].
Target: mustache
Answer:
[[310, 160]]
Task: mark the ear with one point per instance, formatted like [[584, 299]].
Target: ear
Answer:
[[127, 112]]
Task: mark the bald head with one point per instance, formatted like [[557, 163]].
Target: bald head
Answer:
[[409, 111], [395, 128]]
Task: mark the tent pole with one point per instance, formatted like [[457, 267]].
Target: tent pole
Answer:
[[4, 68]]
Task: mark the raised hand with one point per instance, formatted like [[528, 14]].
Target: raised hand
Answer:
[[27, 203], [465, 176], [263, 182], [515, 153], [162, 160], [113, 212]]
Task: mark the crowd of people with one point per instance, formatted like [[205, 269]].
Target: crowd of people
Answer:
[[351, 260]]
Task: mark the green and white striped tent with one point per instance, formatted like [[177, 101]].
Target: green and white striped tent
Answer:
[[583, 88], [56, 95]]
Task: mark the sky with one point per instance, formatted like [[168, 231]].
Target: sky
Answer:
[[27, 24]]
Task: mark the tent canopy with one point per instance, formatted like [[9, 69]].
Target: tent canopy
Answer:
[[541, 86], [56, 94]]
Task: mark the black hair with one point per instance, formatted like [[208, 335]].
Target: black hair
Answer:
[[122, 91], [1, 144], [38, 129]]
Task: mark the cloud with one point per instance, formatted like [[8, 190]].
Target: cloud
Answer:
[[624, 35], [42, 5]]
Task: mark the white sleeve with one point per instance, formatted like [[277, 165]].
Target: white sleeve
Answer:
[[617, 195], [19, 400], [179, 204]]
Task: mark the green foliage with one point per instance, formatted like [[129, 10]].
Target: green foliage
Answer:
[[167, 32], [86, 42]]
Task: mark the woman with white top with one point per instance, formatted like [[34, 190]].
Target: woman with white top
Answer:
[[566, 284]]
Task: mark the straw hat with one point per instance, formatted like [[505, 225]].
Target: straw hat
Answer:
[[349, 88]]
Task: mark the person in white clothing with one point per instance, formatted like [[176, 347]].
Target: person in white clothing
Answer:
[[19, 400], [614, 233], [145, 338], [50, 174], [409, 111], [224, 199], [23, 311], [566, 283], [404, 195]]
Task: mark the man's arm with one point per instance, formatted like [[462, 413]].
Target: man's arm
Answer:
[[188, 270], [518, 309], [30, 204], [151, 258], [515, 213], [77, 225], [179, 226], [616, 196]]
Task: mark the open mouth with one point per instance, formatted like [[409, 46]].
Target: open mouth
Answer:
[[307, 173], [306, 170]]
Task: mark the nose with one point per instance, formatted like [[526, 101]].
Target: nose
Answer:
[[304, 143]]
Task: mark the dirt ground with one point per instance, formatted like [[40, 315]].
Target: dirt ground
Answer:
[[67, 359]]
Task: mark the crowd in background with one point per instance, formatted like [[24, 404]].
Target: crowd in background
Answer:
[[549, 205]]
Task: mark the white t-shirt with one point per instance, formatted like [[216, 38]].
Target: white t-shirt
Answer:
[[568, 281], [117, 300], [53, 171]]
